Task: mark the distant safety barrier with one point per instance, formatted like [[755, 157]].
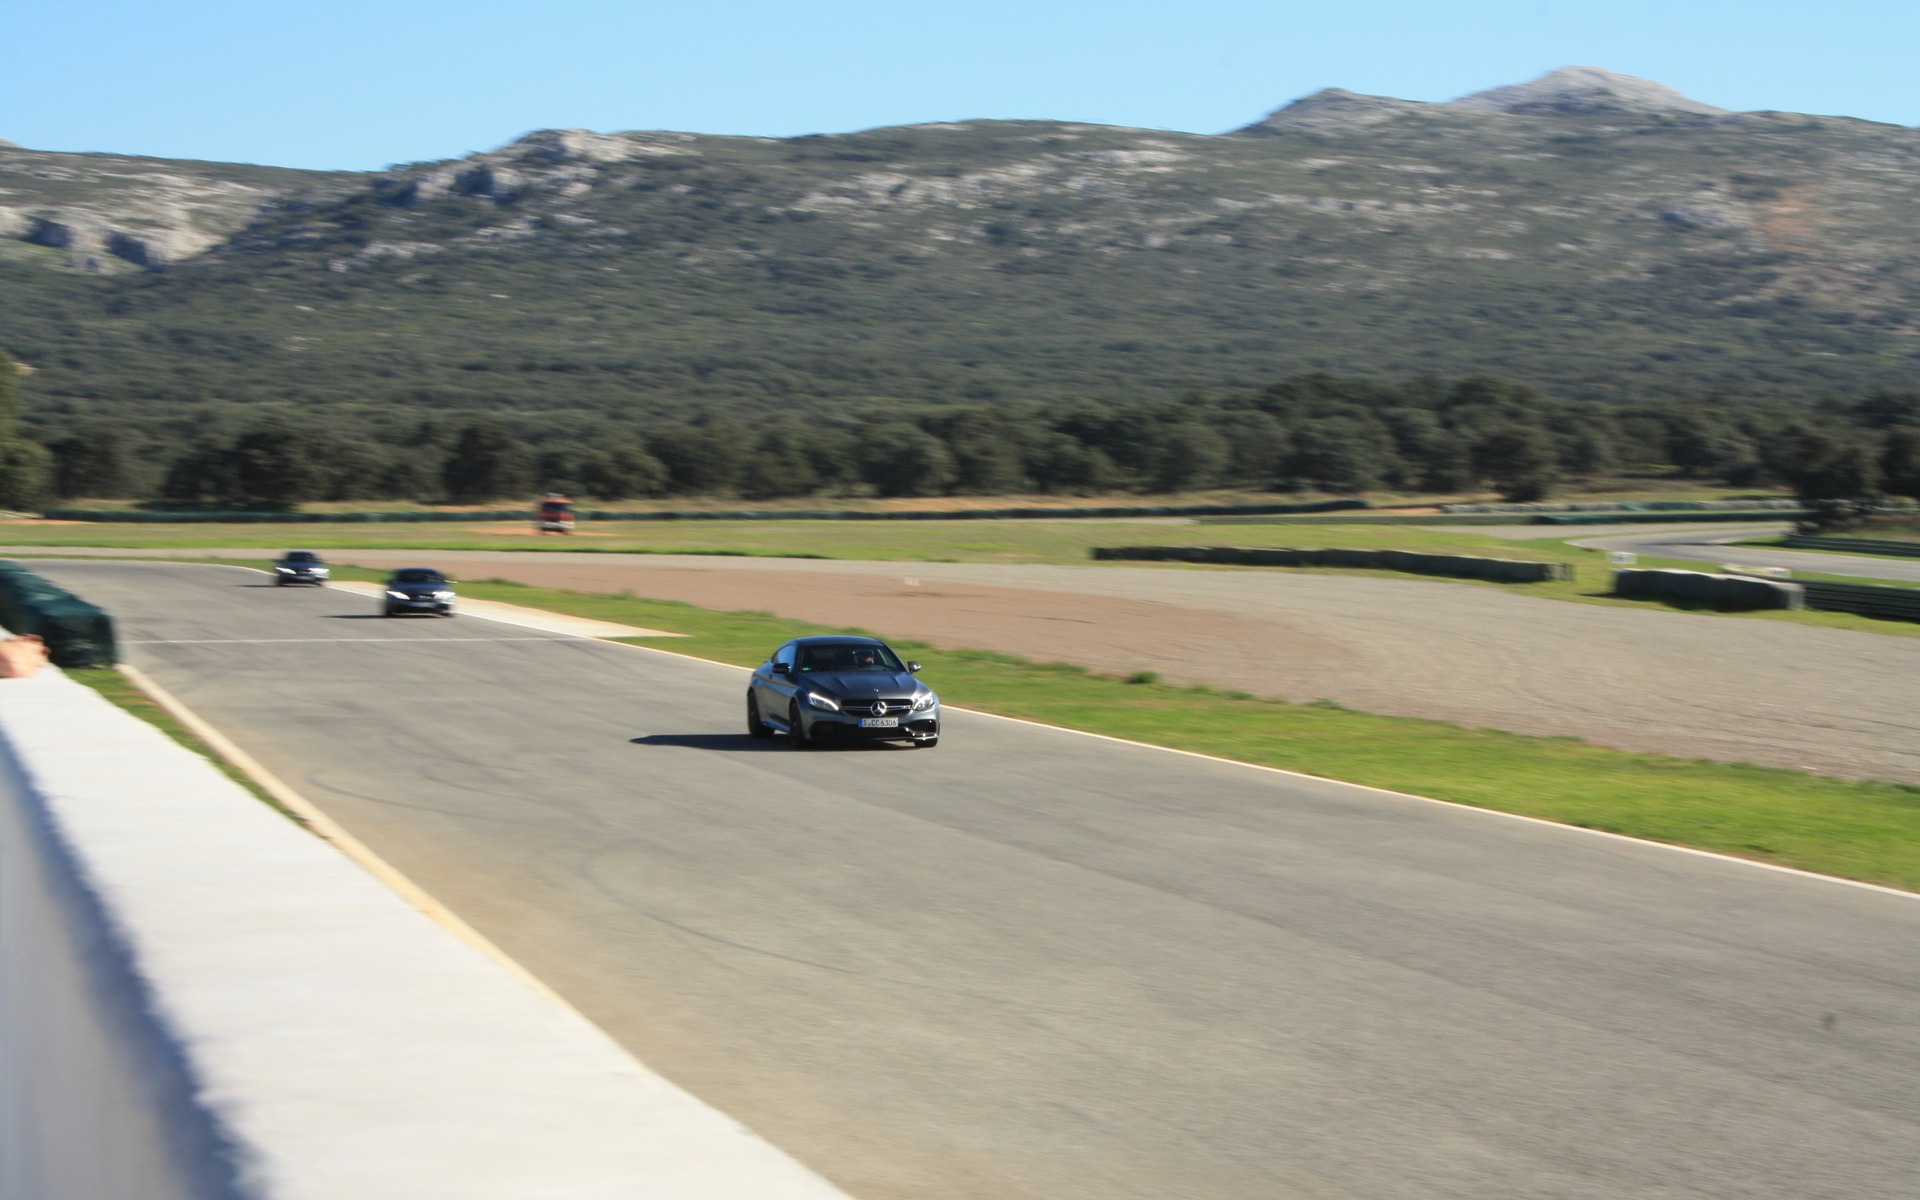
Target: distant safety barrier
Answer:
[[1462, 566], [1620, 506], [1899, 604], [1694, 517], [823, 514], [77, 634], [1720, 591], [1853, 545]]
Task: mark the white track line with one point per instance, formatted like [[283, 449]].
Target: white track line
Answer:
[[1456, 805], [330, 830]]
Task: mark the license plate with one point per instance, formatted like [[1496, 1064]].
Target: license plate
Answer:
[[879, 722]]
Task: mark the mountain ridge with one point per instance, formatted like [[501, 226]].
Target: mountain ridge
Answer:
[[1591, 248]]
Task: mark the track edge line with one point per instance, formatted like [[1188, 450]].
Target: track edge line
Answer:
[[331, 831]]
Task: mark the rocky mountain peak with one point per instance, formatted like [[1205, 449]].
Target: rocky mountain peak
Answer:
[[7, 145], [1331, 110], [1583, 90]]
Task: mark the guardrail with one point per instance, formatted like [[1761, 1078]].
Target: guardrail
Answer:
[[821, 514], [1803, 541], [1459, 566], [77, 634]]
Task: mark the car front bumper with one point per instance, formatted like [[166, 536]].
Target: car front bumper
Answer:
[[846, 727], [419, 606]]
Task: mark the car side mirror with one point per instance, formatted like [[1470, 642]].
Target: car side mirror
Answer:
[[913, 668], [782, 669]]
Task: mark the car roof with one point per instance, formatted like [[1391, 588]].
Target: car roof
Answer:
[[838, 639]]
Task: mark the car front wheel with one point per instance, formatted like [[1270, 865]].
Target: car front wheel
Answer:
[[796, 732]]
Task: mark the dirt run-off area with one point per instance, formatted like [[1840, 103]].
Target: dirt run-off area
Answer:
[[1833, 701]]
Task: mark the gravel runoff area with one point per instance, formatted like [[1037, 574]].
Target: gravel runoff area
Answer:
[[1832, 701]]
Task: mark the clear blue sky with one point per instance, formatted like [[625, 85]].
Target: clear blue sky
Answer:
[[359, 84]]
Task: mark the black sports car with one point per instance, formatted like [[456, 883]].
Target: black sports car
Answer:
[[839, 688], [300, 566], [418, 590]]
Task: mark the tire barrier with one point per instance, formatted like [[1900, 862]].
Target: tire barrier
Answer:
[[824, 514], [1869, 600], [1459, 566], [1696, 517], [1801, 541], [77, 634], [1720, 591]]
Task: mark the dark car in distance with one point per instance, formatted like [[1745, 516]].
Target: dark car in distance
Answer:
[[300, 566], [840, 688], [418, 590]]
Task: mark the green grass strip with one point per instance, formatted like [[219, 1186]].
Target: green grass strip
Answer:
[[1868, 831]]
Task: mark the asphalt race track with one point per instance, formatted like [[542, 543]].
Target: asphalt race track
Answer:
[[1036, 964]]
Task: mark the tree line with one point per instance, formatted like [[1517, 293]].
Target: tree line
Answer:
[[1310, 433]]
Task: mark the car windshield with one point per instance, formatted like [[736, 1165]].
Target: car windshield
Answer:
[[848, 656], [417, 575], [302, 556]]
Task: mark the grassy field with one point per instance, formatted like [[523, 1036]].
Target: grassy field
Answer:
[[1866, 831]]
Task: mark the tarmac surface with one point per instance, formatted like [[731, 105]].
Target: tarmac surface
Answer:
[[1695, 685], [1031, 963], [1691, 684]]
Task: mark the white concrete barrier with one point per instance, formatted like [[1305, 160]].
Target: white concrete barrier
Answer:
[[199, 1000]]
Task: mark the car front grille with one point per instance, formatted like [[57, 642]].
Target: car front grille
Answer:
[[865, 708]]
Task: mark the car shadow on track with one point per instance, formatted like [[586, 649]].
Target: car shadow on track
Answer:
[[740, 743], [710, 741]]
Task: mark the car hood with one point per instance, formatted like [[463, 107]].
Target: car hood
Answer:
[[854, 685]]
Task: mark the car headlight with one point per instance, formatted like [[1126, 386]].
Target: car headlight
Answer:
[[923, 703], [397, 595], [443, 595], [823, 702], [284, 570]]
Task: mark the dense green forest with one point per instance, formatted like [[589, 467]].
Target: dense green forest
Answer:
[[1317, 432]]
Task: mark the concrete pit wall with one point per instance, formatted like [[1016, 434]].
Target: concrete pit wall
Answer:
[[199, 1000]]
